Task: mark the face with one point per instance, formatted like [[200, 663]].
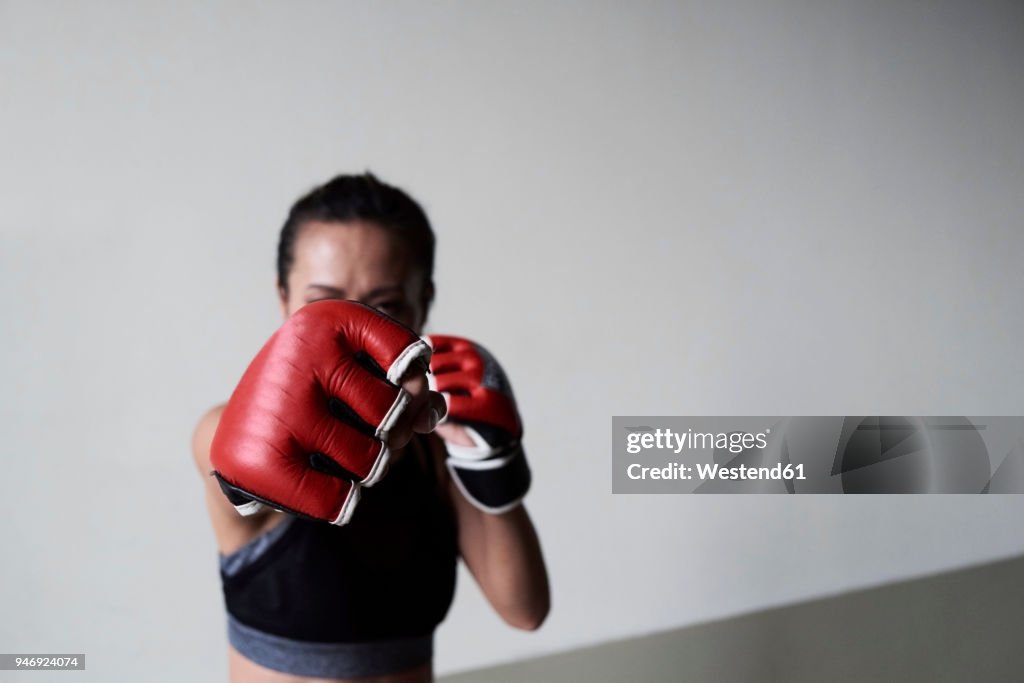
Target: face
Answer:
[[359, 261]]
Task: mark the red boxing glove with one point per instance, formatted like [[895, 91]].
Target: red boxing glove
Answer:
[[308, 423], [493, 473]]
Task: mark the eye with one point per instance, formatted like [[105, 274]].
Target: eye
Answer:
[[390, 307]]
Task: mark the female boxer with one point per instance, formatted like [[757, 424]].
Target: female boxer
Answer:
[[354, 506]]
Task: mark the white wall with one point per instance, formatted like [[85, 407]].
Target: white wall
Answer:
[[643, 208]]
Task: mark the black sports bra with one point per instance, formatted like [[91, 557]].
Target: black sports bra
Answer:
[[385, 580]]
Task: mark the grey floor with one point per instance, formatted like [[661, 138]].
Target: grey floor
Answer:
[[966, 625]]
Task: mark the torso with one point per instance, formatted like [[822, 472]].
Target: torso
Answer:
[[385, 577]]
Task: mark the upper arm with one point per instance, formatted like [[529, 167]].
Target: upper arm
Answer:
[[231, 529]]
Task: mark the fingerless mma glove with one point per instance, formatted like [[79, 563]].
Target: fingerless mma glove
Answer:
[[308, 424], [493, 473]]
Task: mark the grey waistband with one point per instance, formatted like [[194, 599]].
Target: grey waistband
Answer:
[[329, 660]]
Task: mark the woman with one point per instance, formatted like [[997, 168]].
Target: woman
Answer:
[[312, 601]]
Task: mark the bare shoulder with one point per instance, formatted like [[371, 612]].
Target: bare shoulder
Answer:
[[231, 530], [202, 437]]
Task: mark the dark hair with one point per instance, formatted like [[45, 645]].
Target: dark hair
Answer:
[[363, 197]]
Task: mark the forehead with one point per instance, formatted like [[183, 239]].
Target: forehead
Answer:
[[349, 255]]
